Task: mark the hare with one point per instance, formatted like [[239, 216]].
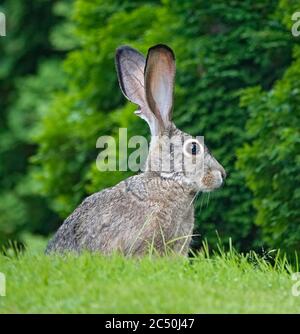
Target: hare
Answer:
[[153, 210]]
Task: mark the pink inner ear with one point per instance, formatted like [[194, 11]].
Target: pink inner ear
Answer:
[[161, 72]]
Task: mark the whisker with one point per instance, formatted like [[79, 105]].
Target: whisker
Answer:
[[208, 196], [201, 203], [193, 199]]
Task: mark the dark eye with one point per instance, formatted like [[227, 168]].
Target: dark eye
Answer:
[[194, 148]]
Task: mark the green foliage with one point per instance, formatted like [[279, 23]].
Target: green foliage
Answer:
[[13, 210], [271, 160], [270, 157], [25, 51]]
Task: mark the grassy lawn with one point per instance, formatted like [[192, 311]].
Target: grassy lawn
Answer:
[[224, 283]]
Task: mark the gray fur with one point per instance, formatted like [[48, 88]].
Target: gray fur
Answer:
[[153, 210]]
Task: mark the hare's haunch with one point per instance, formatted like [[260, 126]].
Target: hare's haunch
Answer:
[[152, 211]]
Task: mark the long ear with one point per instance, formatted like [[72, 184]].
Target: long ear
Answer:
[[159, 80], [130, 66]]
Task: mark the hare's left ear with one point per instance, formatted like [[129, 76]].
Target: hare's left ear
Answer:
[[159, 82], [130, 66]]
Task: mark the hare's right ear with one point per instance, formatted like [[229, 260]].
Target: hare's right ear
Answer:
[[130, 66], [159, 82]]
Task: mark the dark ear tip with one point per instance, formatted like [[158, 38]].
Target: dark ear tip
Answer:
[[121, 49], [125, 48], [162, 47]]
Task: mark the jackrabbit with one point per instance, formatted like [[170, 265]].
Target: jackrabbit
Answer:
[[152, 210]]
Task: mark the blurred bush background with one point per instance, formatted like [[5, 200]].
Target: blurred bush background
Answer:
[[238, 84]]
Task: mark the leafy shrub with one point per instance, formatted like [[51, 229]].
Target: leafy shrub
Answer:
[[29, 73], [271, 159]]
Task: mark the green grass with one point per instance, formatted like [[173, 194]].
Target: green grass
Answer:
[[224, 283]]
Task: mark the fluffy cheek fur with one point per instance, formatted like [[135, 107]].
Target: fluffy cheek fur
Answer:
[[211, 180]]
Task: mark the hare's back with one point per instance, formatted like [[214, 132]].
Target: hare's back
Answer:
[[104, 217], [119, 217]]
